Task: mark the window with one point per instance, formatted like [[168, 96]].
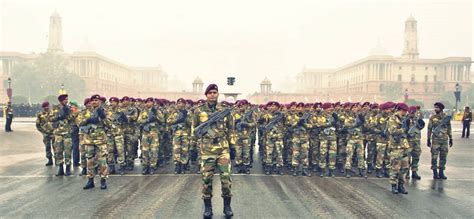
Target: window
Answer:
[[399, 77]]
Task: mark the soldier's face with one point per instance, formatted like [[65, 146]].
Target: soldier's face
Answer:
[[402, 112], [65, 101], [95, 102], [180, 105], [46, 108], [273, 108], [437, 109], [149, 104], [113, 103], [212, 96]]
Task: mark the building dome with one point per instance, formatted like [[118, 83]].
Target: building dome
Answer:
[[266, 81], [198, 80], [55, 14]]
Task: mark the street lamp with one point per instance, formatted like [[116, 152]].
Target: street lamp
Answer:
[[457, 95], [9, 90]]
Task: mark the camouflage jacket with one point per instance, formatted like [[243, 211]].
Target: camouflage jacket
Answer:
[[183, 127], [397, 135], [381, 128], [61, 119], [132, 115], [149, 119], [222, 129], [246, 130], [43, 125], [436, 123], [327, 123], [350, 125], [118, 119], [278, 131], [92, 125]]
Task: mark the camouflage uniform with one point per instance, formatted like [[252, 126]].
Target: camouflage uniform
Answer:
[[115, 140], [214, 150], [274, 141], [381, 130], [243, 134], [84, 136], [181, 134], [300, 140], [44, 126], [61, 119], [326, 122], [341, 140], [129, 134], [93, 126], [398, 146], [371, 137], [415, 142], [355, 143], [148, 121], [315, 142], [439, 146]]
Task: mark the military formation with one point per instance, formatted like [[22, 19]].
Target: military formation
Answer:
[[327, 139]]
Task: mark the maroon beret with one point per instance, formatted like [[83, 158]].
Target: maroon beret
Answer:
[[211, 87], [412, 109], [402, 106], [95, 97], [113, 99], [125, 98], [150, 99], [326, 105], [45, 104], [86, 101], [103, 99], [439, 105], [62, 97], [181, 100]]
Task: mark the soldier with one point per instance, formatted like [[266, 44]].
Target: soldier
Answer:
[[129, 131], [84, 135], [180, 120], [371, 137], [297, 123], [274, 129], [61, 119], [414, 139], [327, 122], [97, 151], [439, 136], [212, 126], [148, 121], [399, 146], [314, 140], [115, 141], [244, 122], [44, 126], [342, 112], [381, 130], [75, 134], [353, 122]]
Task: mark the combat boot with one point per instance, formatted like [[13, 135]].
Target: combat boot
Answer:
[[89, 184], [198, 169], [321, 172], [103, 184], [130, 166], [331, 173], [60, 171], [84, 172], [386, 173], [121, 170], [407, 175], [177, 168], [280, 171], [441, 175], [305, 172], [207, 208], [316, 169], [68, 170], [378, 173], [370, 168], [151, 170], [227, 209], [348, 173], [341, 168], [50, 162], [415, 175], [111, 169], [401, 189], [435, 174], [362, 173], [247, 169], [295, 171], [267, 170], [394, 189], [146, 171]]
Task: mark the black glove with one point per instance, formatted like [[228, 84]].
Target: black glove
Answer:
[[450, 142], [184, 112], [428, 143], [237, 121], [244, 125], [94, 119], [101, 113], [153, 110]]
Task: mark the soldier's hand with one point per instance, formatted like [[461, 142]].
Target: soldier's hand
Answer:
[[428, 143], [450, 142]]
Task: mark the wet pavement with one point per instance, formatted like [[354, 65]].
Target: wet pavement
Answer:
[[29, 189]]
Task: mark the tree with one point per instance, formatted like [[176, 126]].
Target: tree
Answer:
[[392, 91], [44, 77]]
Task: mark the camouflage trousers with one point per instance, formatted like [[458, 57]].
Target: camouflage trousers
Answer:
[[149, 148], [129, 141], [355, 146], [82, 151], [414, 155], [341, 149], [215, 156], [242, 151], [63, 149], [314, 149], [381, 156], [328, 147], [48, 141], [181, 149], [97, 153], [439, 148], [273, 151], [399, 165], [115, 146], [371, 151], [300, 150]]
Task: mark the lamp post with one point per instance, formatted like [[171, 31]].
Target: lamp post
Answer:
[[406, 95], [9, 90], [457, 95]]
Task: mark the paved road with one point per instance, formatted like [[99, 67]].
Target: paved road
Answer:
[[29, 189]]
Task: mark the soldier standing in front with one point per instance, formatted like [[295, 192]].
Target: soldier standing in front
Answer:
[[439, 136]]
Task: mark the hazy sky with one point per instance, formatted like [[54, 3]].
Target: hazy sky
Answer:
[[245, 39]]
